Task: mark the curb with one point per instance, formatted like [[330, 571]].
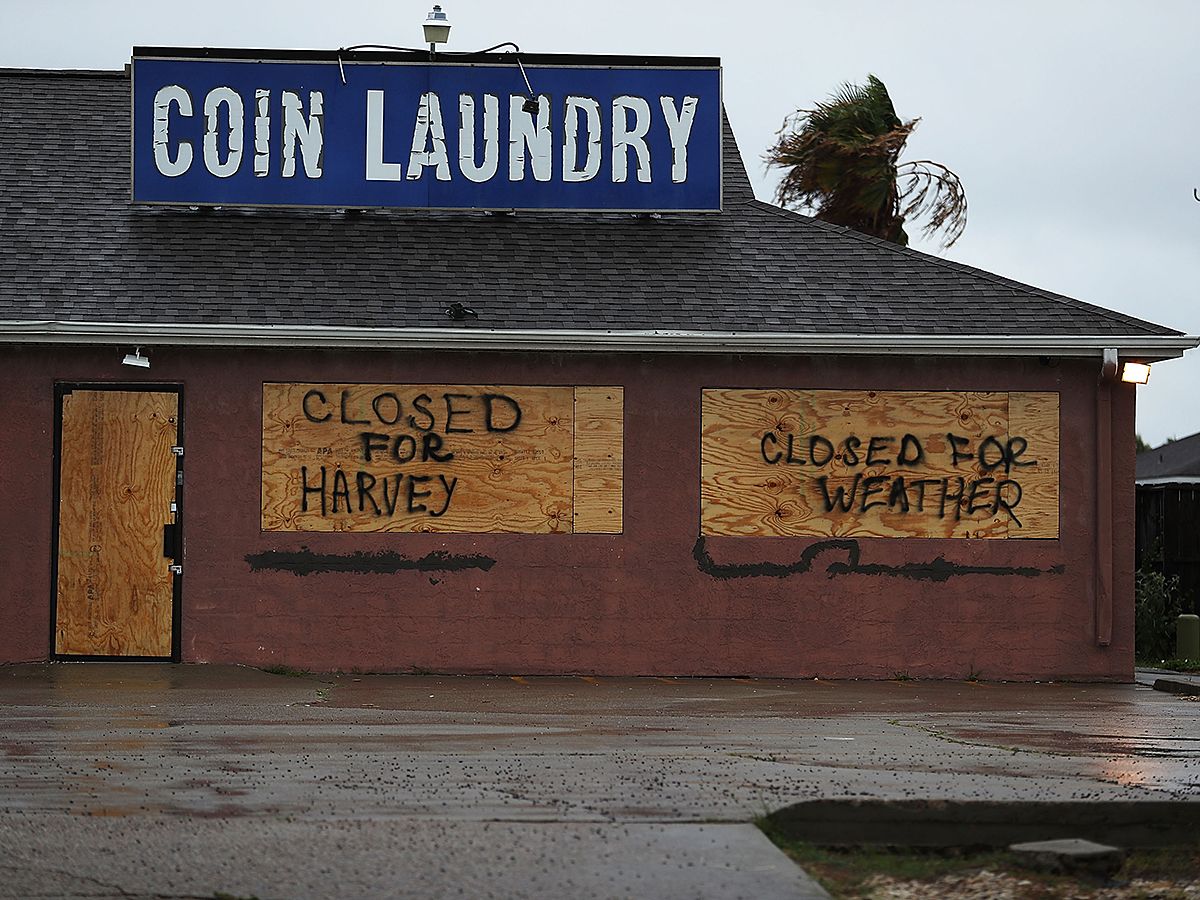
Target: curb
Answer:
[[1176, 686], [949, 823]]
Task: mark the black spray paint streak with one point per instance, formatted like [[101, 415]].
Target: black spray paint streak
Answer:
[[939, 570], [774, 570], [384, 562]]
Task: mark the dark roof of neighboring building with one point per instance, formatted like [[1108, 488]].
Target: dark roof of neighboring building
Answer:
[[73, 248], [1176, 458]]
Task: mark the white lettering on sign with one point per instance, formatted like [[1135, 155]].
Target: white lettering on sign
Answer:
[[679, 126], [224, 132], [309, 134], [166, 96], [428, 129], [466, 138], [591, 161], [262, 133], [526, 134], [234, 116], [377, 169], [626, 137], [531, 137]]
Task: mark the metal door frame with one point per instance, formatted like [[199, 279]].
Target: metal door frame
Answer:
[[61, 389]]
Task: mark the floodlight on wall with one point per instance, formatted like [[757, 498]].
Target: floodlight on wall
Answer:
[[437, 28], [1135, 373], [136, 359]]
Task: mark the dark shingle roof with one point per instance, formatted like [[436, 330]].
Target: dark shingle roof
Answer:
[[1178, 458], [74, 248]]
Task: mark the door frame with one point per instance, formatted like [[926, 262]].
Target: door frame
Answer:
[[61, 389]]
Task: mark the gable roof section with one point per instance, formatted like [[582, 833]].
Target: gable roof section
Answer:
[[78, 260], [1177, 459]]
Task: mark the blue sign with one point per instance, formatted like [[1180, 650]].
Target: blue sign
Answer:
[[434, 135]]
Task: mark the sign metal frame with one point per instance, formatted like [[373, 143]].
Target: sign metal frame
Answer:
[[347, 60]]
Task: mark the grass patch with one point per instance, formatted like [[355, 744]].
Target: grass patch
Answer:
[[1177, 665], [850, 873], [856, 872], [1173, 863]]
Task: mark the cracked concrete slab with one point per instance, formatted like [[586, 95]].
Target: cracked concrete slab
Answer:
[[286, 859]]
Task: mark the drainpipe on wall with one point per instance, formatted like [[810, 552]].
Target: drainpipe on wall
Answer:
[[1104, 499]]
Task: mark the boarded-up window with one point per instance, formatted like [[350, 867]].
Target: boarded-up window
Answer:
[[448, 458], [879, 463]]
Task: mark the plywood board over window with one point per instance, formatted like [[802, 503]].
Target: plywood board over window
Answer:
[[599, 459], [441, 458], [879, 463]]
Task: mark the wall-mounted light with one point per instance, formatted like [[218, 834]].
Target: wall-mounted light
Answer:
[[437, 28], [136, 359], [1135, 373], [458, 312]]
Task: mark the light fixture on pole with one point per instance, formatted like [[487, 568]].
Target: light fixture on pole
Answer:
[[437, 28], [136, 359]]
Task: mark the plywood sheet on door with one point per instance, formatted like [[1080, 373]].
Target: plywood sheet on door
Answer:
[[116, 483]]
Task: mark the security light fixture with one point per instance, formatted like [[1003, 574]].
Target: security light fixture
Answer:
[[136, 359], [458, 312], [437, 28], [1135, 373], [531, 104]]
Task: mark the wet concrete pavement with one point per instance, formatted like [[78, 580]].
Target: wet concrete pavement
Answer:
[[187, 780]]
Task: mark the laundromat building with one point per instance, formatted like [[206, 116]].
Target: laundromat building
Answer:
[[376, 364]]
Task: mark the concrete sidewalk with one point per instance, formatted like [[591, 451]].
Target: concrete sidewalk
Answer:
[[1170, 681], [188, 780]]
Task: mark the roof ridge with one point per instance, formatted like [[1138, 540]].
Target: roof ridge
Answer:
[[982, 274], [12, 71]]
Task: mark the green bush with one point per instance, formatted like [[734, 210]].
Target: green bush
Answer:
[[1157, 604]]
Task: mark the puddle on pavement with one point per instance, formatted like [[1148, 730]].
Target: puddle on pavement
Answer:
[[1080, 743]]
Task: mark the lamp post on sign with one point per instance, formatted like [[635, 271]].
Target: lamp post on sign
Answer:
[[437, 28]]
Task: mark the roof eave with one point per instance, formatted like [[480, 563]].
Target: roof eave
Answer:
[[1146, 347]]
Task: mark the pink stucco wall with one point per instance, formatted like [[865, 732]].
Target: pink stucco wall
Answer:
[[634, 603]]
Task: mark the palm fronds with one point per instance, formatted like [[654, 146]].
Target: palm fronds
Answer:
[[842, 161]]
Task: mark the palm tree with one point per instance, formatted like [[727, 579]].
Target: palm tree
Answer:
[[842, 161]]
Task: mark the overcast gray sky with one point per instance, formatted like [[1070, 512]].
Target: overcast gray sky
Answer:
[[1075, 126]]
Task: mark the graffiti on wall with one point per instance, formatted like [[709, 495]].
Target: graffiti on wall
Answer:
[[880, 463], [450, 458]]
